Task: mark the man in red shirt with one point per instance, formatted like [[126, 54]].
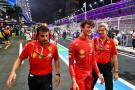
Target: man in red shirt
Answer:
[[106, 53], [40, 53], [81, 59]]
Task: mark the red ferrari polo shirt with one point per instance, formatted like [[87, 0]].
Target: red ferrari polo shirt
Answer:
[[105, 50], [40, 58]]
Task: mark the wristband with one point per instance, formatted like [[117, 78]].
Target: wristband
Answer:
[[116, 71], [58, 74]]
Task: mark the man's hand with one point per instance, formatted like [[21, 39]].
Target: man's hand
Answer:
[[57, 80], [11, 79], [75, 86], [116, 76], [101, 78]]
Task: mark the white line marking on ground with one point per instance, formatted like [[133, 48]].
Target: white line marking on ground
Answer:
[[63, 47], [20, 50], [64, 60], [127, 83], [128, 55]]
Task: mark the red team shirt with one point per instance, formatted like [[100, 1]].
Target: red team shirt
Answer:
[[39, 66], [105, 50], [82, 53]]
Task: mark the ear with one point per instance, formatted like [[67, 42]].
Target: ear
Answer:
[[82, 29]]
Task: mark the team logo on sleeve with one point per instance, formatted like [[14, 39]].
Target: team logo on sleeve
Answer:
[[33, 55], [50, 48], [82, 55]]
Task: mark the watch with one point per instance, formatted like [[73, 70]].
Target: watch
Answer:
[[116, 71], [58, 74]]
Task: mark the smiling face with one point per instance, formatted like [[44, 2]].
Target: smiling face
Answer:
[[87, 30], [102, 31]]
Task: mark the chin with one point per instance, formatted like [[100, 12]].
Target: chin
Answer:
[[89, 34], [102, 36]]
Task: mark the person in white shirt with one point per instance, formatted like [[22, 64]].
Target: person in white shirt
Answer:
[[28, 35]]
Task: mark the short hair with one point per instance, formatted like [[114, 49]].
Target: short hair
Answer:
[[105, 25], [89, 22], [42, 29]]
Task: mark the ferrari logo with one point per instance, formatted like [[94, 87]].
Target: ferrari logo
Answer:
[[108, 42], [82, 51], [50, 48], [33, 55], [90, 44]]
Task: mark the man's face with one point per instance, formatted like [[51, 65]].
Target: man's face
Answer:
[[87, 30], [43, 37], [102, 31]]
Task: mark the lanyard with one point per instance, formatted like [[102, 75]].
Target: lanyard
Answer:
[[101, 47], [40, 53]]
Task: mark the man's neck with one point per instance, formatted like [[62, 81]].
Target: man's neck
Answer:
[[43, 43], [83, 36], [103, 38]]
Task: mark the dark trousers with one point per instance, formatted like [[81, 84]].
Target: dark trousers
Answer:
[[106, 70], [42, 82], [133, 43]]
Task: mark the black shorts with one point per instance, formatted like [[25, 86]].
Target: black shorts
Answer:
[[7, 37], [40, 82]]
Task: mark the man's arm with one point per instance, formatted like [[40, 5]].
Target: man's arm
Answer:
[[115, 64], [114, 60], [57, 66], [12, 75], [96, 69], [71, 61], [71, 66]]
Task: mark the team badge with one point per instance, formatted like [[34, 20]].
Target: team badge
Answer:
[[82, 51], [90, 44], [50, 48], [108, 42], [34, 55]]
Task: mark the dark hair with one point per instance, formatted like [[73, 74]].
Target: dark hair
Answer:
[[89, 22], [42, 29], [133, 30]]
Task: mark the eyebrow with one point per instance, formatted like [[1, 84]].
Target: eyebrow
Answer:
[[44, 35]]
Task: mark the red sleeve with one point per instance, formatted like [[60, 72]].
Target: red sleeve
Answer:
[[94, 64], [56, 55], [113, 49], [71, 59], [24, 53]]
